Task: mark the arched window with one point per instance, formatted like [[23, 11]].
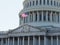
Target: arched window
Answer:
[[49, 16], [54, 3], [36, 2], [32, 18], [30, 3], [44, 16], [40, 16], [40, 2], [24, 20], [27, 5], [57, 17], [53, 16], [44, 2], [33, 3], [47, 2], [36, 17], [51, 2], [57, 3]]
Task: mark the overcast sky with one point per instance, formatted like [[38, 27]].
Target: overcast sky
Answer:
[[9, 10]]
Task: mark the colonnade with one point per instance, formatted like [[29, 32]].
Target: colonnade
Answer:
[[47, 16], [41, 2], [45, 42]]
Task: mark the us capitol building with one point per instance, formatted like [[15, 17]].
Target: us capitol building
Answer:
[[40, 27]]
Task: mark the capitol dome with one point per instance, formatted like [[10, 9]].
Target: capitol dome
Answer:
[[39, 24], [41, 13]]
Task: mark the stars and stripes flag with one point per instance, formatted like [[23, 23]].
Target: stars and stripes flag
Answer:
[[24, 15]]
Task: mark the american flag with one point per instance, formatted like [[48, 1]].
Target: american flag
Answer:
[[24, 15]]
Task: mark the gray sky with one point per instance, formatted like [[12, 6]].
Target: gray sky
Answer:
[[9, 10]]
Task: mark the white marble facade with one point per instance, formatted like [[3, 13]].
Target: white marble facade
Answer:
[[30, 35], [40, 27]]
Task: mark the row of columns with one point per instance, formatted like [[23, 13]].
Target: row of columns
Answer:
[[43, 2], [39, 41], [53, 17]]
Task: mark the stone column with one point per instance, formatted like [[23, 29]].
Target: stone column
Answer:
[[33, 40], [8, 41], [51, 40], [37, 16], [42, 15], [13, 40], [1, 41], [38, 2], [23, 40], [46, 15], [44, 40], [20, 20], [51, 17], [46, 2], [57, 40], [55, 17], [33, 17], [53, 2], [28, 40], [39, 40], [49, 2], [29, 17], [18, 40], [42, 2], [23, 21], [59, 17]]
